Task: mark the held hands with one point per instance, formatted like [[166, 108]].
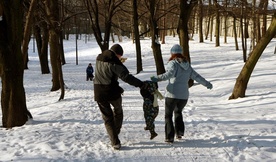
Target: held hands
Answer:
[[209, 85], [144, 85], [154, 79]]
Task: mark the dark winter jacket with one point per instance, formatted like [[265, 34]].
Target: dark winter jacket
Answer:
[[89, 71], [107, 71]]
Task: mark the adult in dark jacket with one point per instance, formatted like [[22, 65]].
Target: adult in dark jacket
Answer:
[[107, 91]]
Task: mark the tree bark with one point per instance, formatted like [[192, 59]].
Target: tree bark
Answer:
[[244, 76], [264, 4], [235, 32], [243, 39], [137, 37], [185, 12], [42, 40], [52, 10], [27, 32], [13, 100], [61, 48], [217, 24], [155, 44], [211, 28], [200, 21], [225, 28]]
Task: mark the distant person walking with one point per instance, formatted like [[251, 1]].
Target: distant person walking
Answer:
[[178, 73], [89, 72], [107, 91]]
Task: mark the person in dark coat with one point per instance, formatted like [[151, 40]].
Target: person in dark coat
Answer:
[[107, 91], [89, 72]]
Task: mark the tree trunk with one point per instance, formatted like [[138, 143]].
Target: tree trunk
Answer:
[[244, 76], [27, 32], [200, 21], [235, 33], [52, 10], [211, 29], [163, 22], [209, 22], [155, 45], [225, 22], [185, 12], [137, 37], [217, 24], [242, 36], [208, 27], [42, 40], [61, 48], [13, 100], [54, 57], [225, 28], [265, 4]]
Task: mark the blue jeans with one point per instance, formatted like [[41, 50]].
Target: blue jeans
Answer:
[[174, 107]]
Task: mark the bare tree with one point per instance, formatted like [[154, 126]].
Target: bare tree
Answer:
[[235, 32], [101, 14], [243, 28], [41, 34], [217, 31], [185, 12], [244, 76], [225, 15], [52, 11], [209, 20], [137, 37], [263, 7], [13, 100], [200, 21], [155, 44], [27, 31]]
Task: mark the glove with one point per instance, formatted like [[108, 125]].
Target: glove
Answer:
[[209, 86], [154, 79]]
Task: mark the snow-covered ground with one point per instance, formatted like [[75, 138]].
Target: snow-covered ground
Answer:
[[217, 129]]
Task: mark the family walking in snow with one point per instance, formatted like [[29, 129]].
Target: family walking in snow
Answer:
[[107, 92]]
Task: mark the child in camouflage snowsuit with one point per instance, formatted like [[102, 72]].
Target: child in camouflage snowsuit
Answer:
[[150, 105]]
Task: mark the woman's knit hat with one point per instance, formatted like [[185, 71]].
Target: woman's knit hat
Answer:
[[176, 49], [117, 49]]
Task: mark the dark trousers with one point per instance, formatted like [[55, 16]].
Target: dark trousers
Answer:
[[89, 77], [113, 118], [174, 107], [150, 113]]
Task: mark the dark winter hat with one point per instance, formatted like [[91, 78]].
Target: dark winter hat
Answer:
[[176, 49], [117, 49]]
